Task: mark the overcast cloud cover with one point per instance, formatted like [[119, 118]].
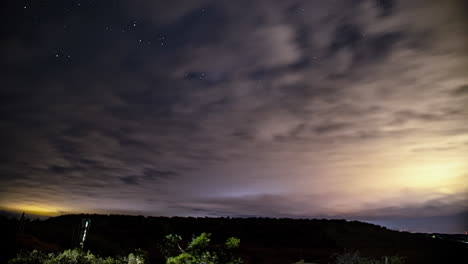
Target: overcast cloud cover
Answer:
[[354, 109]]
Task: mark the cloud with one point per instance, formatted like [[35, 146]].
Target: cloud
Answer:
[[130, 180], [159, 12], [460, 91], [153, 174], [330, 128], [386, 7], [319, 206], [440, 206]]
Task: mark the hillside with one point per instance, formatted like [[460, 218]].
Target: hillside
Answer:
[[263, 240]]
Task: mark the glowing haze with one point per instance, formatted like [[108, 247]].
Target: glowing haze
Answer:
[[341, 109]]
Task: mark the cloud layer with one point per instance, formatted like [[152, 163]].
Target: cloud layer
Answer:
[[274, 108]]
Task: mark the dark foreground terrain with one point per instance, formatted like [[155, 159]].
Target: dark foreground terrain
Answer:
[[263, 240]]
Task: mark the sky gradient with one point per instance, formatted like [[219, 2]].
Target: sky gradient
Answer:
[[342, 109]]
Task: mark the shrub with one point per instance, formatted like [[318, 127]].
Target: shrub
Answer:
[[355, 258], [32, 257], [199, 250], [75, 256]]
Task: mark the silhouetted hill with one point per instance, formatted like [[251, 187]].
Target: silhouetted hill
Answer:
[[263, 240]]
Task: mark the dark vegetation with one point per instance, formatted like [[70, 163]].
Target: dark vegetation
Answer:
[[263, 240]]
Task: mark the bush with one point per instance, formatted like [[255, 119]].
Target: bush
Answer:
[[199, 250], [355, 258], [75, 256]]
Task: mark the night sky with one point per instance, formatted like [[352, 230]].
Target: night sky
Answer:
[[354, 109]]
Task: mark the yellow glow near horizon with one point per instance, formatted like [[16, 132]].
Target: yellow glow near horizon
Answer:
[[391, 178], [431, 175], [42, 210]]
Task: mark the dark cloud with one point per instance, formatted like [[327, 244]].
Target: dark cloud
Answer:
[[153, 174], [408, 114], [380, 46], [460, 91], [160, 12], [431, 215], [438, 214], [387, 7], [329, 128], [130, 180], [445, 205], [60, 169], [346, 35]]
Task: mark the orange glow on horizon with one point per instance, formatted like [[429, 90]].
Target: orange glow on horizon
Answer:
[[41, 210]]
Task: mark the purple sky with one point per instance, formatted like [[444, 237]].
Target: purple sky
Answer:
[[348, 109]]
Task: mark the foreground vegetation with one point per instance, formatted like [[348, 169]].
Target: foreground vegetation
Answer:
[[71, 256], [75, 256], [355, 258], [198, 251]]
